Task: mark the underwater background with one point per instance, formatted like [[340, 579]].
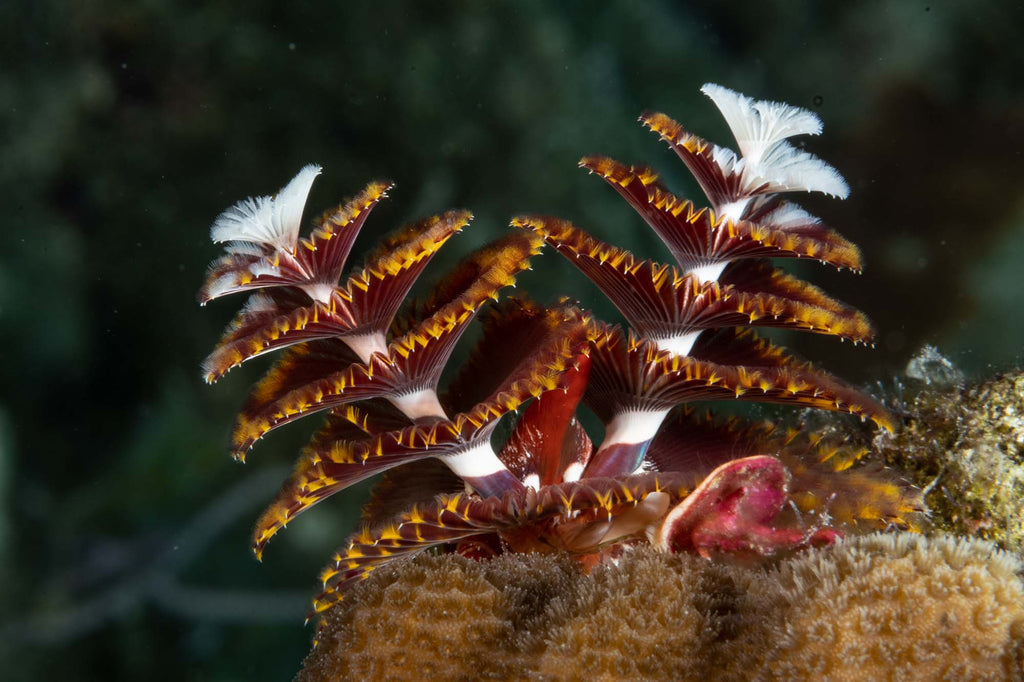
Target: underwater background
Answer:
[[127, 127]]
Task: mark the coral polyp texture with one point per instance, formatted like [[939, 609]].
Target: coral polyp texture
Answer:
[[896, 606], [356, 351]]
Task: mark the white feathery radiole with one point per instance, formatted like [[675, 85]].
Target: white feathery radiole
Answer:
[[271, 221], [757, 125], [761, 129]]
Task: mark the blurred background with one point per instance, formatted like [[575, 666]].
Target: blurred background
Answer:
[[127, 127]]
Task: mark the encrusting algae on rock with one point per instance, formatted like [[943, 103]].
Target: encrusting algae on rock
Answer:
[[964, 445], [664, 476]]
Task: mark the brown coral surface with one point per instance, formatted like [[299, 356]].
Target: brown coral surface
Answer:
[[440, 617], [901, 607], [898, 606]]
